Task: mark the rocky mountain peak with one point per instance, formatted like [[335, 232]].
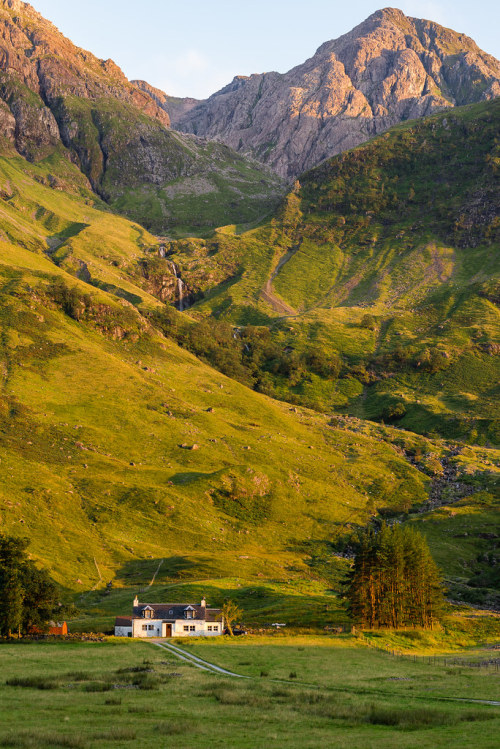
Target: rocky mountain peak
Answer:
[[388, 69]]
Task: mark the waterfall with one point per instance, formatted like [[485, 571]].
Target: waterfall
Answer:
[[180, 287]]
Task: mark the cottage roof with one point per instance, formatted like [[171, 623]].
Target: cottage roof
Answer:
[[171, 611], [123, 621]]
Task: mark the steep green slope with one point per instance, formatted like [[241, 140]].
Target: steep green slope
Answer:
[[387, 256], [119, 449], [111, 449]]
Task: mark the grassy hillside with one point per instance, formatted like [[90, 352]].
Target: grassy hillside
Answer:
[[111, 450], [97, 406], [118, 449], [387, 257]]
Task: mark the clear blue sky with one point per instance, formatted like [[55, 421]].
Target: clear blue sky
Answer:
[[193, 48]]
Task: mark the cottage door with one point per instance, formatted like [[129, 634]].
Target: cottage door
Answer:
[[167, 630]]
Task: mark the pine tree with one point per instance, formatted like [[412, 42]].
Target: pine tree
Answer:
[[394, 581]]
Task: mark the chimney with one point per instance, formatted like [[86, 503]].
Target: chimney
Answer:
[[203, 603], [136, 601]]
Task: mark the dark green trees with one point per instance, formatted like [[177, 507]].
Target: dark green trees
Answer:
[[394, 582], [27, 594]]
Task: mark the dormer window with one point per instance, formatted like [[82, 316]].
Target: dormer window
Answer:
[[189, 613], [147, 613]]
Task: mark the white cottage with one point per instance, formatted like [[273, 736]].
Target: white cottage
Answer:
[[171, 620]]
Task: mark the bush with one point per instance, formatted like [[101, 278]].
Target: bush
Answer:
[[394, 411], [368, 322]]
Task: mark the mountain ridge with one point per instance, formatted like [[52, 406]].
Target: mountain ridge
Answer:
[[388, 69], [56, 97]]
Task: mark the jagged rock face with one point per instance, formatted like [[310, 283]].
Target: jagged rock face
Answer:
[[41, 58], [172, 105], [54, 91], [389, 69], [55, 96]]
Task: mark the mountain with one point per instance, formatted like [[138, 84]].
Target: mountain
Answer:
[[378, 280], [55, 97], [389, 69]]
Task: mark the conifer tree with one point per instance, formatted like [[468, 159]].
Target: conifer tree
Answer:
[[394, 581]]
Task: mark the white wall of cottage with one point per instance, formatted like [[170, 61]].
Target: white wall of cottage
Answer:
[[155, 628], [200, 625], [123, 631]]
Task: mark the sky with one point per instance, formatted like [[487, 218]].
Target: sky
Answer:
[[194, 48]]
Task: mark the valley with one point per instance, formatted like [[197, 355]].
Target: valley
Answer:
[[223, 360]]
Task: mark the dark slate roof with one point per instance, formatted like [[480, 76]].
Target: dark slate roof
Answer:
[[214, 615], [123, 621], [176, 611]]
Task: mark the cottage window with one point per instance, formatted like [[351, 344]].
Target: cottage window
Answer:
[[186, 628], [188, 614], [209, 628], [192, 628], [144, 627], [151, 626], [216, 627]]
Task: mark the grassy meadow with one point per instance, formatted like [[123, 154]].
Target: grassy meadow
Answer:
[[302, 692]]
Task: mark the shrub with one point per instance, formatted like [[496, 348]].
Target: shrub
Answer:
[[394, 411], [368, 322]]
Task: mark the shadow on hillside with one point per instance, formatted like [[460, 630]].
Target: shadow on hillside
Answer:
[[179, 479], [140, 572], [134, 299]]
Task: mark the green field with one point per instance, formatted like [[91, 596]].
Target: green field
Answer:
[[302, 692]]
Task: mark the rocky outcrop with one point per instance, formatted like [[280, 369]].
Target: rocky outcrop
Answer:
[[54, 95], [50, 65], [389, 69], [53, 90], [174, 106]]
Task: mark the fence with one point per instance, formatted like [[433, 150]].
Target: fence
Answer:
[[445, 661]]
